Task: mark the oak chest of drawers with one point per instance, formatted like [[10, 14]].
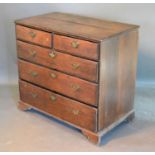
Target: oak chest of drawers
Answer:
[[78, 69]]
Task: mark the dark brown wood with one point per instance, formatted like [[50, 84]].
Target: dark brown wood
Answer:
[[23, 106], [65, 84], [93, 137], [79, 67], [75, 25], [59, 106], [34, 36], [84, 49], [117, 77], [96, 137]]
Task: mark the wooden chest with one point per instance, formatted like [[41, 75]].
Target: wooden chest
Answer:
[[78, 69]]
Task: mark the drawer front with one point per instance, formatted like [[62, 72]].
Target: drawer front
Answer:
[[65, 84], [82, 68], [34, 36], [77, 47], [59, 106]]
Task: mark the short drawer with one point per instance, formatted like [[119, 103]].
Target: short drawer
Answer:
[[79, 67], [34, 36], [76, 47], [70, 86], [59, 106]]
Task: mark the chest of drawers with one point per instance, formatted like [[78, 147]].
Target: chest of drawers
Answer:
[[78, 69]]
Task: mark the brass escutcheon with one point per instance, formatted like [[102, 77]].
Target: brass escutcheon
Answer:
[[52, 55], [34, 74], [32, 53], [53, 98], [53, 75], [75, 112], [34, 95], [32, 34], [75, 65], [75, 44], [75, 87]]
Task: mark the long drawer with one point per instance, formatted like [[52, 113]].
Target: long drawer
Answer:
[[59, 106], [62, 83], [79, 67]]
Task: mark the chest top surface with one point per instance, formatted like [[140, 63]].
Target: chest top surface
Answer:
[[76, 25]]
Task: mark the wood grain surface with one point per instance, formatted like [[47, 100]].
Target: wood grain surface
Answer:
[[34, 36], [59, 106], [84, 49], [65, 84], [79, 67], [117, 77], [75, 25]]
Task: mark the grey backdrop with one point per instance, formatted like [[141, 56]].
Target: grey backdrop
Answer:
[[141, 14]]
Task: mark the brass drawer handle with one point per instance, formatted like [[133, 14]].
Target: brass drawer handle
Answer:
[[32, 53], [52, 55], [53, 98], [34, 95], [75, 112], [34, 74], [32, 34], [75, 44], [75, 87], [54, 76], [75, 66]]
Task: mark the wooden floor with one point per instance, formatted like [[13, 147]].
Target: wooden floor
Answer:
[[33, 131]]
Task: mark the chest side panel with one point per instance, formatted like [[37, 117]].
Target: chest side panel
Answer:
[[118, 59]]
